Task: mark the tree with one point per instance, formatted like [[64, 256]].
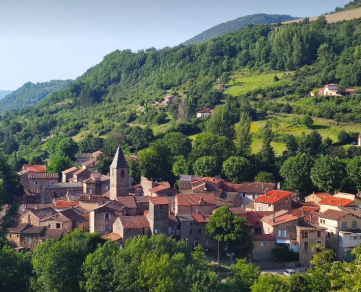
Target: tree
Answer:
[[91, 144], [343, 137], [310, 143], [237, 169], [354, 171], [15, 270], [242, 277], [62, 146], [267, 155], [63, 259], [231, 231], [134, 170], [271, 283], [222, 122], [206, 166], [224, 79], [328, 173], [243, 135], [11, 182], [296, 171], [299, 283], [181, 166], [59, 163], [178, 143], [264, 177], [307, 121], [323, 258]]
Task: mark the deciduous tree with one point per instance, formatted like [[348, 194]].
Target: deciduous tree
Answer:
[[237, 169]]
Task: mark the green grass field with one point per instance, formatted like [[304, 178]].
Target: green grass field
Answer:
[[242, 83]]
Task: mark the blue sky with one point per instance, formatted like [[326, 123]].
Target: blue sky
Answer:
[[42, 40]]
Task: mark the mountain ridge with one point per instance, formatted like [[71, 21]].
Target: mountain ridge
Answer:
[[238, 23], [4, 93]]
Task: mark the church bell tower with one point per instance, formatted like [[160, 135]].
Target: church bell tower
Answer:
[[119, 176]]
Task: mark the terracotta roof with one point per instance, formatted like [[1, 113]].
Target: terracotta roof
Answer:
[[107, 194], [274, 215], [350, 90], [134, 222], [198, 218], [282, 219], [333, 201], [112, 237], [57, 217], [141, 199], [33, 229], [185, 217], [159, 189], [262, 237], [65, 204], [44, 175], [43, 213], [80, 171], [73, 215], [91, 198], [69, 170], [115, 205], [172, 220], [194, 200], [254, 217], [230, 196], [89, 162], [146, 212], [206, 111], [333, 214], [256, 188], [53, 234], [105, 178], [137, 186], [301, 212], [35, 168], [322, 195], [273, 197], [159, 201], [353, 210], [128, 202], [17, 227], [168, 96], [238, 211], [221, 202], [312, 217]]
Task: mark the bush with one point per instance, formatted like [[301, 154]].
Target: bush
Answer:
[[283, 254]]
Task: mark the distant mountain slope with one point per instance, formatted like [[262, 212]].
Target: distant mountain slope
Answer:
[[30, 94], [238, 23], [4, 93]]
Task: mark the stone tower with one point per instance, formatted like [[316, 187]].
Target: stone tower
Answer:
[[119, 176]]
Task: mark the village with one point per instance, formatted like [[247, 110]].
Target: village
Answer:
[[111, 206]]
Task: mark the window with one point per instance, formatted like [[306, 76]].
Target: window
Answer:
[[191, 224], [306, 234], [199, 230], [354, 237], [91, 191], [340, 238], [28, 239], [354, 224], [122, 173], [263, 244], [57, 225], [106, 188], [259, 208], [344, 224], [160, 215], [269, 205], [190, 231], [35, 182], [108, 227], [156, 231], [282, 233], [318, 233], [106, 216], [10, 235], [305, 246], [243, 195]]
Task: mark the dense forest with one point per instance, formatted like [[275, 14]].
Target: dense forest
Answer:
[[30, 94], [241, 22]]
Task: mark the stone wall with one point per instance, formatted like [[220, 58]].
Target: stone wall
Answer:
[[270, 265]]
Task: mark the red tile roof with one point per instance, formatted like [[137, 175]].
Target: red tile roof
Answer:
[[137, 186], [159, 189], [35, 168], [194, 200], [273, 197], [112, 237], [128, 202], [333, 201], [198, 218], [65, 204], [134, 222], [312, 217], [172, 220], [69, 170], [206, 111], [281, 220], [238, 211], [90, 162], [254, 188], [80, 171], [333, 214], [91, 198], [322, 195], [301, 212], [159, 201], [262, 237], [43, 175], [255, 217]]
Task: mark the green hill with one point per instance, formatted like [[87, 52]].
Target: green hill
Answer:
[[241, 22], [352, 5], [4, 93], [30, 94]]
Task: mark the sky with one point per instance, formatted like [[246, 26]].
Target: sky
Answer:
[[43, 40]]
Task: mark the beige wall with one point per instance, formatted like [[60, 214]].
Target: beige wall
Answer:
[[51, 223], [262, 253], [97, 221], [289, 227], [204, 210], [312, 239], [30, 218]]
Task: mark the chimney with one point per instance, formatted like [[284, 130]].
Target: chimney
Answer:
[[274, 217], [303, 212], [311, 217], [201, 202], [278, 186], [262, 185], [36, 207]]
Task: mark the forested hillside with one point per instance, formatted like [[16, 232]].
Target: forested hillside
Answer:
[[268, 72], [4, 93], [352, 5], [30, 94], [241, 22]]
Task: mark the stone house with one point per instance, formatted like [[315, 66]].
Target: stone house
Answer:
[[204, 113], [96, 184], [168, 100], [129, 204], [283, 229], [90, 165], [50, 191], [142, 203], [102, 218], [308, 235], [34, 216], [262, 246], [201, 204], [233, 197], [68, 173], [132, 226], [186, 223], [34, 180], [78, 221], [199, 231], [57, 221], [158, 215], [13, 235], [348, 239], [274, 201], [254, 220], [317, 198], [80, 175], [334, 203], [190, 184], [335, 221], [91, 202]]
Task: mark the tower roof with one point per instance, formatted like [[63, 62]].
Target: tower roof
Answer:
[[119, 160]]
